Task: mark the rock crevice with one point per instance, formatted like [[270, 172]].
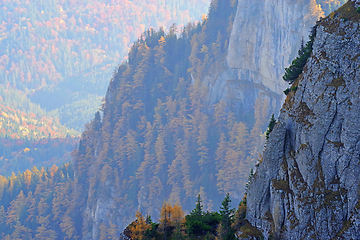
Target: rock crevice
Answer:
[[311, 165]]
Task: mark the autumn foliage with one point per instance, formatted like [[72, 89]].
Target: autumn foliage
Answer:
[[198, 224], [157, 137], [39, 204], [19, 125], [19, 155], [72, 47]]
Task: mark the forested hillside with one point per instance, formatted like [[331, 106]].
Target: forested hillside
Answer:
[[56, 59], [18, 155], [160, 138], [156, 138], [156, 127], [19, 125], [39, 204], [61, 53]]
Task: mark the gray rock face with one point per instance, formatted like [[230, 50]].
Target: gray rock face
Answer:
[[307, 186], [265, 38], [273, 35]]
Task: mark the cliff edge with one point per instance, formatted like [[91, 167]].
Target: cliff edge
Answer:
[[307, 185], [265, 37]]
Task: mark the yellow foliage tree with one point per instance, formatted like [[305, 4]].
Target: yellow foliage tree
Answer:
[[171, 215], [139, 227]]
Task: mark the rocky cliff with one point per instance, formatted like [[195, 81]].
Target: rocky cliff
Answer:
[[145, 151], [265, 37], [307, 185]]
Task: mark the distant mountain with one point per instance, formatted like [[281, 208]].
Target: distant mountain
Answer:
[[61, 54], [19, 125], [16, 156]]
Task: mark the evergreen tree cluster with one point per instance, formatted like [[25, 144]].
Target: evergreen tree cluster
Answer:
[[297, 65], [270, 126], [199, 224]]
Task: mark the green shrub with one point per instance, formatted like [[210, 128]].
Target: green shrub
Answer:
[[270, 127], [358, 9], [286, 92], [297, 65], [294, 88]]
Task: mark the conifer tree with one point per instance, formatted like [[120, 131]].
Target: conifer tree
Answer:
[[225, 231], [271, 126], [139, 227]]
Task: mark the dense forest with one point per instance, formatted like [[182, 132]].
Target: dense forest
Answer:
[[27, 140], [18, 155], [43, 204], [51, 77], [159, 137], [19, 125], [65, 51], [38, 204], [156, 138], [155, 123]]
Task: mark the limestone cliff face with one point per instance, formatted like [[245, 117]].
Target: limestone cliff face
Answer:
[[265, 37], [307, 186]]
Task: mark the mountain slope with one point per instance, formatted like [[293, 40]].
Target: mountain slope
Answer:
[[162, 136], [156, 128], [307, 185], [18, 155], [61, 54], [157, 137], [19, 125]]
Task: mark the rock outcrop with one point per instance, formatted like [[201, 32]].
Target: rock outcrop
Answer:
[[265, 37], [307, 185]]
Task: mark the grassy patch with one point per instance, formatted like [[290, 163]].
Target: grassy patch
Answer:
[[355, 57], [297, 179], [347, 11], [304, 146], [337, 82], [281, 185], [248, 230], [303, 112], [336, 144]]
